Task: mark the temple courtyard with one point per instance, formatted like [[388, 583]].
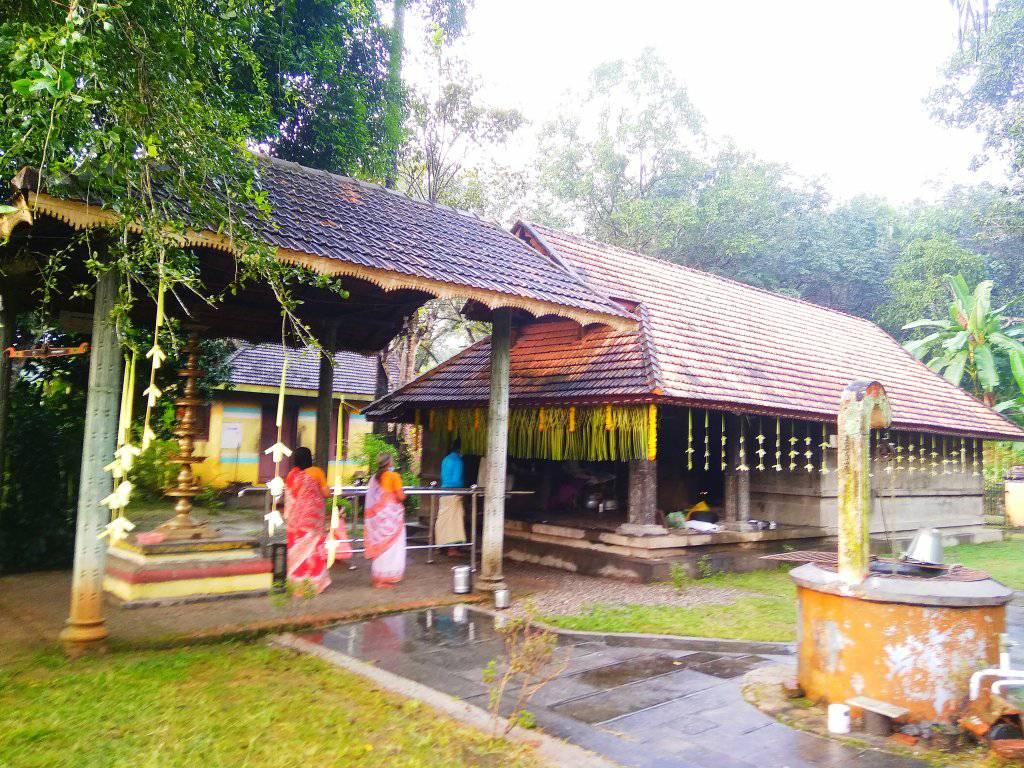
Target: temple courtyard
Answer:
[[631, 699]]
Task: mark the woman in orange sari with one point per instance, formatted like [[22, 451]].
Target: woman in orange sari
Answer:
[[385, 524], [305, 491]]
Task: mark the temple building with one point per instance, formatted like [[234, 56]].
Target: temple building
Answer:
[[722, 400], [239, 421]]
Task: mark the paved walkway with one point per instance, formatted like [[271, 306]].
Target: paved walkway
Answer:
[[639, 706], [34, 606]]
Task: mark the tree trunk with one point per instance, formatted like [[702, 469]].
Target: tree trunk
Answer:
[[381, 389], [395, 111]]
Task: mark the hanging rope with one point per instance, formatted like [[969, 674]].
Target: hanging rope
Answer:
[[278, 450]]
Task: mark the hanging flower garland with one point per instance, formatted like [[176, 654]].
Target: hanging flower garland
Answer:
[[824, 445], [808, 452], [156, 357], [278, 451], [337, 535], [707, 444], [124, 456], [760, 445], [689, 438], [793, 452], [777, 466], [742, 466]]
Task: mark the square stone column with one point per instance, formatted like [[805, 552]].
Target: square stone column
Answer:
[[643, 492]]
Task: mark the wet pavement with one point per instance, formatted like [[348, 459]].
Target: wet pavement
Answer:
[[638, 706]]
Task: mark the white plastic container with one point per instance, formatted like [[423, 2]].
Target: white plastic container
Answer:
[[838, 718]]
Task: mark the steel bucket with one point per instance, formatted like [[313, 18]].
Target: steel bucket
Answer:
[[502, 598], [462, 580], [926, 547]]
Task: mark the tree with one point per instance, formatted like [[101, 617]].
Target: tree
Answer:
[[326, 67], [972, 342], [918, 286], [985, 82], [447, 123], [623, 164], [150, 107]]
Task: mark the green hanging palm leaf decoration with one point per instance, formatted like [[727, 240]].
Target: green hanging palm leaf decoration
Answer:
[[973, 344], [584, 433]]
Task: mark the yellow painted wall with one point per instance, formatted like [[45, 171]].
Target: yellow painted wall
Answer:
[[241, 416], [234, 420]]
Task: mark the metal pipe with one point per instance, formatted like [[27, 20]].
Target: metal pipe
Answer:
[[430, 530], [472, 527], [999, 685]]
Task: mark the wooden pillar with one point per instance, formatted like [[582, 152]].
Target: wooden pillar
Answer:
[[85, 625], [380, 389], [491, 577], [643, 492], [325, 398], [862, 406]]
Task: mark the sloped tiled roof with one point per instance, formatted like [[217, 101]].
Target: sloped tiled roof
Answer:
[[259, 365], [705, 341], [362, 224], [552, 361]]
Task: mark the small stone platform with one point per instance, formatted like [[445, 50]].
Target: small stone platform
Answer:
[[596, 550], [141, 574]]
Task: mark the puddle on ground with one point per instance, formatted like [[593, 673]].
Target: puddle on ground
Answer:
[[630, 671], [410, 632]]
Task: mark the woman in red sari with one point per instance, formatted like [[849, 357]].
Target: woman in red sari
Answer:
[[385, 524], [305, 490]]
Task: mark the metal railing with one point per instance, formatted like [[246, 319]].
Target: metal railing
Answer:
[[356, 493]]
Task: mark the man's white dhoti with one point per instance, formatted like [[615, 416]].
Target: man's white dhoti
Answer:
[[450, 527]]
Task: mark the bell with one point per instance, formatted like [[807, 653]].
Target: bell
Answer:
[[926, 547]]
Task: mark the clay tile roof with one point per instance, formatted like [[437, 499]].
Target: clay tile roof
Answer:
[[706, 341], [364, 225], [259, 365]]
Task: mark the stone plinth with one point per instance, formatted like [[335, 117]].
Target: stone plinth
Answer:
[[181, 571]]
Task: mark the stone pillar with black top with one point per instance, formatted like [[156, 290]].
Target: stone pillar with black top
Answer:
[[737, 480], [642, 509]]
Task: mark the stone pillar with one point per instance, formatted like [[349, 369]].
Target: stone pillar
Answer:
[[643, 492], [85, 625], [325, 398], [862, 406], [491, 577], [737, 482]]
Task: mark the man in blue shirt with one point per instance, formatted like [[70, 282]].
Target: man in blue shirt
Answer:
[[450, 527]]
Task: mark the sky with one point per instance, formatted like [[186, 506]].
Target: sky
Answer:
[[832, 88]]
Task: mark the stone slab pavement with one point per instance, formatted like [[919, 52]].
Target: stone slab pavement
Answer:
[[641, 707]]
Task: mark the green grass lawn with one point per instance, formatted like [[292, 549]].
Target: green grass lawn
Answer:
[[225, 705], [1003, 560], [767, 613]]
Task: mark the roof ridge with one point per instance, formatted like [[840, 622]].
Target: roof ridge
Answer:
[[685, 267], [649, 350]]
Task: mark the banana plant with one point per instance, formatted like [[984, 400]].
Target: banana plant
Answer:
[[971, 342]]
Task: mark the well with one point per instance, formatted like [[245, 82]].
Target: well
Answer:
[[905, 639]]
